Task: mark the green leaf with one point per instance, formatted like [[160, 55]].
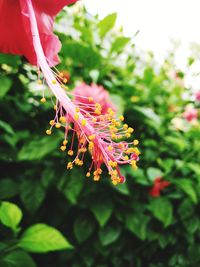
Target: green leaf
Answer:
[[17, 259], [118, 102], [83, 228], [82, 55], [122, 188], [186, 186], [162, 210], [153, 173], [10, 60], [71, 185], [6, 127], [8, 188], [119, 44], [149, 114], [137, 223], [10, 215], [102, 211], [32, 194], [107, 24], [109, 234], [38, 148], [5, 85], [42, 238]]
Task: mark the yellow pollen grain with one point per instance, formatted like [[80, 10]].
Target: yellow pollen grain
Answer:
[[70, 152], [69, 165], [90, 99], [55, 107], [84, 122], [39, 82], [58, 125], [88, 174], [76, 116], [110, 148], [62, 119], [92, 137], [52, 122], [65, 142], [48, 132], [121, 118], [135, 142], [77, 109], [65, 80], [43, 100], [63, 148], [54, 82]]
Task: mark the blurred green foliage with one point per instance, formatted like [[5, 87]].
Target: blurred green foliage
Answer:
[[106, 225]]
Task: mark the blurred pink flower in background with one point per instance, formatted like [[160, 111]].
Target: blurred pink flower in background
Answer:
[[197, 96], [92, 94], [190, 114]]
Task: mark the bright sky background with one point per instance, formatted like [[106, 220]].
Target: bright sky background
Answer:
[[157, 21]]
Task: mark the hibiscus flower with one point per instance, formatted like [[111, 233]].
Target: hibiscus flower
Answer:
[[26, 29]]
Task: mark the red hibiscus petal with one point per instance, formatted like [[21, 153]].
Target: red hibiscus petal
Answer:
[[52, 7], [15, 30], [13, 37]]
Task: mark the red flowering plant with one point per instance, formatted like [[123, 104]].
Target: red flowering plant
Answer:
[[30, 33]]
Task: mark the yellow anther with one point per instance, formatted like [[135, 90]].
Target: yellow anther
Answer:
[[88, 174], [55, 107], [63, 148], [65, 142], [62, 119], [69, 165], [58, 125], [61, 74], [80, 163], [125, 126], [54, 81], [128, 135], [117, 123], [112, 164], [97, 111], [52, 122], [133, 164], [136, 151], [77, 161], [121, 118], [90, 99], [113, 136], [92, 137], [77, 109], [135, 142], [76, 116], [94, 119], [48, 132], [130, 130], [43, 100], [91, 145], [84, 122], [39, 82], [126, 158], [70, 152], [65, 80], [96, 178], [110, 148]]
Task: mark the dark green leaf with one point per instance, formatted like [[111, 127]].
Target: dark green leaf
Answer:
[[83, 228], [17, 259], [162, 210], [109, 234], [5, 85]]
